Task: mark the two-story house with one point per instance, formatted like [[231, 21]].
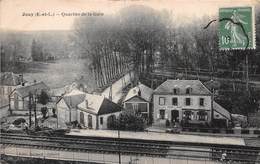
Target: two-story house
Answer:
[[189, 100]]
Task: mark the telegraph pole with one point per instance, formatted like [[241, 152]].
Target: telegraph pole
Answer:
[[119, 153], [34, 107], [118, 135], [30, 108], [247, 76], [212, 104], [110, 92]]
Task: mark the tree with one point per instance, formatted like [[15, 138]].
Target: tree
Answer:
[[44, 111], [113, 46], [37, 51], [240, 102], [43, 99]]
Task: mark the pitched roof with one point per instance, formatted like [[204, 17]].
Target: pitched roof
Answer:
[[197, 87], [36, 87], [144, 91], [9, 78], [99, 105], [218, 108], [58, 91], [74, 98]]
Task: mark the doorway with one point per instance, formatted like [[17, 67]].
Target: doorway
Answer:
[[90, 122], [81, 118], [162, 114], [174, 116]]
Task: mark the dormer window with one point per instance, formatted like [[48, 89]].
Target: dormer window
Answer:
[[188, 90], [175, 91]]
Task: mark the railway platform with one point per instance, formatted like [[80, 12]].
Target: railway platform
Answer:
[[160, 137]]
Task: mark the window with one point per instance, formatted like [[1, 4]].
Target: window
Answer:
[[135, 106], [162, 114], [161, 100], [202, 115], [187, 102], [90, 125], [188, 114], [101, 120], [201, 101], [188, 90], [175, 101], [175, 91]]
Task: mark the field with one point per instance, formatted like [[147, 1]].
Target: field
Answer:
[[58, 73]]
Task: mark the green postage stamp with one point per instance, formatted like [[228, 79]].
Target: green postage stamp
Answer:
[[236, 28]]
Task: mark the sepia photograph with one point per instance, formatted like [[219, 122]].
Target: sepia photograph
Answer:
[[129, 82]]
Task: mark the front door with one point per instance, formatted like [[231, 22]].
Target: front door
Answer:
[[162, 114], [174, 116], [90, 121], [81, 118]]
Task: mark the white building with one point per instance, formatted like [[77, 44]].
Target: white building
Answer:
[[189, 100], [91, 111], [67, 106]]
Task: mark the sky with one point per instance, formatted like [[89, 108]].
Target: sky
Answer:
[[12, 11]]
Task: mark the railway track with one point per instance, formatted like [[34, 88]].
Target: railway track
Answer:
[[145, 148]]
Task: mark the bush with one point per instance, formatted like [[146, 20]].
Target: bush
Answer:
[[126, 121], [19, 121], [44, 111]]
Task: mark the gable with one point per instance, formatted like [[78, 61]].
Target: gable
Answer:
[[62, 104], [141, 91], [136, 99], [108, 107]]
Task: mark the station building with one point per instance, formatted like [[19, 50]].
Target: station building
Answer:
[[189, 100]]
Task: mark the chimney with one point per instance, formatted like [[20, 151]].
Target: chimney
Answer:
[[86, 101], [139, 92], [21, 79]]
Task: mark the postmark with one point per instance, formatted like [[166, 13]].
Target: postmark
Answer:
[[236, 28]]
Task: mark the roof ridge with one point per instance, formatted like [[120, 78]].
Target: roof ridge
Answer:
[[32, 84]]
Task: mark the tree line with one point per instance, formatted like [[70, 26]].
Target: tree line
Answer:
[[138, 37], [118, 43]]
